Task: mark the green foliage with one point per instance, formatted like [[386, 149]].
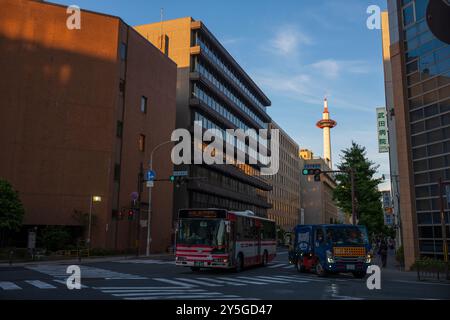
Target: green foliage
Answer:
[[11, 208], [369, 209], [429, 264], [400, 255], [54, 238]]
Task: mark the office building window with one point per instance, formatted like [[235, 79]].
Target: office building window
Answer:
[[144, 104], [408, 14], [141, 142]]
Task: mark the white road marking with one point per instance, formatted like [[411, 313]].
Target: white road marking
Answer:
[[6, 285], [223, 282], [270, 279], [289, 267], [177, 283], [238, 280], [277, 265], [40, 284], [199, 282]]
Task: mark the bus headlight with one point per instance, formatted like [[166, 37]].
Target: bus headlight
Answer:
[[369, 258], [330, 258]]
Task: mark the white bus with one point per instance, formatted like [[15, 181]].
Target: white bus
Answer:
[[218, 238]]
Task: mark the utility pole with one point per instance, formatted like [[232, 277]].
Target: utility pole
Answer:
[[147, 251]]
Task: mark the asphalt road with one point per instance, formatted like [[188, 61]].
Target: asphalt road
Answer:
[[156, 279]]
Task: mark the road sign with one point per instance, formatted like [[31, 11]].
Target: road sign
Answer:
[[134, 196], [150, 175], [150, 184], [312, 166], [180, 174]]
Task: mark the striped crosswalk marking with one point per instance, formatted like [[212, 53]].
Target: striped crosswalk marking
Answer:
[[265, 279], [277, 265], [289, 267], [199, 282], [296, 280], [6, 285], [176, 283], [231, 283], [40, 284], [145, 261], [307, 279], [172, 293], [65, 283], [59, 271], [239, 280]]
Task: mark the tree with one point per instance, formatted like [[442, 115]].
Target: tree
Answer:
[[11, 208], [368, 198], [54, 238]]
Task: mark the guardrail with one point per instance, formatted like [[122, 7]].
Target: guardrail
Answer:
[[432, 273]]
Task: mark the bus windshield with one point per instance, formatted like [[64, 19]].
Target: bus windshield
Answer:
[[345, 236], [210, 232]]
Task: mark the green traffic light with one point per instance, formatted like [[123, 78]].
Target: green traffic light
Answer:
[[305, 172], [172, 178]]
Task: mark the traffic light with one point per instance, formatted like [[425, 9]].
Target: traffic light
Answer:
[[130, 214], [312, 172], [177, 180]]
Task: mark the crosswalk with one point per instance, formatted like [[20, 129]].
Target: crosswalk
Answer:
[[168, 293], [35, 284], [87, 272], [221, 281]]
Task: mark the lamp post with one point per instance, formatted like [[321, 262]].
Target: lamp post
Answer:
[[147, 251], [91, 203]]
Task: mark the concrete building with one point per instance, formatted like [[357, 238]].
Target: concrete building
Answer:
[[418, 93], [285, 195], [391, 128], [213, 89], [80, 112], [317, 197]]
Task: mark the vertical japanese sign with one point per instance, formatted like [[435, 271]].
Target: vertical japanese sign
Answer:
[[382, 128]]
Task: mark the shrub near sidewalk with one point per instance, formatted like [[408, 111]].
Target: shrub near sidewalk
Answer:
[[433, 267]]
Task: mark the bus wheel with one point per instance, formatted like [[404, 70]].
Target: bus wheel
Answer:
[[300, 266], [239, 263], [320, 271], [195, 269], [264, 259]]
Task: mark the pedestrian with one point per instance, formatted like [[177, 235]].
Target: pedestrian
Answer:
[[383, 251]]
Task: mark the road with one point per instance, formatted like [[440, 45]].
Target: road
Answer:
[[156, 279]]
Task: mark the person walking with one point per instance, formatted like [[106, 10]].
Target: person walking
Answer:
[[383, 252]]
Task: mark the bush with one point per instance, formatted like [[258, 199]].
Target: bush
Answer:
[[400, 255], [54, 238], [429, 264]]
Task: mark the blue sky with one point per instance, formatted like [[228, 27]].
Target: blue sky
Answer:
[[297, 51]]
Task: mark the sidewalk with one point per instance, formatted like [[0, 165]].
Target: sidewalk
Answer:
[[85, 260]]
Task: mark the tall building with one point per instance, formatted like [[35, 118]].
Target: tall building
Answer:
[[317, 196], [285, 195], [212, 88], [418, 97], [326, 124], [80, 112]]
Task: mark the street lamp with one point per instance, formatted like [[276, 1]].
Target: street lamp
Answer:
[[92, 199], [147, 251]]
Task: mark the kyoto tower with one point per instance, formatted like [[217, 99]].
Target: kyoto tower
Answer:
[[326, 124]]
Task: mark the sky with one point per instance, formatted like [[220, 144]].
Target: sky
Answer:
[[298, 52]]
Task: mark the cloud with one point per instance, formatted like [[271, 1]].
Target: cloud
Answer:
[[328, 68], [332, 68], [287, 40]]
